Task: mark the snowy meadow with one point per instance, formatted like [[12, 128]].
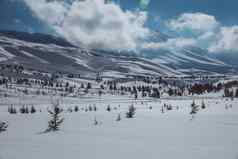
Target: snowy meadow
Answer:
[[98, 127]]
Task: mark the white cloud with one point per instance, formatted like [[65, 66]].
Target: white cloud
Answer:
[[93, 23], [52, 12], [197, 23], [107, 26], [197, 29], [173, 43], [226, 40], [206, 32]]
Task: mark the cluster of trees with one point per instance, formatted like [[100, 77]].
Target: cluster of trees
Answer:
[[204, 88], [230, 93], [176, 91], [195, 108], [209, 87], [229, 90], [90, 108], [23, 110], [134, 90], [129, 114], [12, 68], [3, 81]]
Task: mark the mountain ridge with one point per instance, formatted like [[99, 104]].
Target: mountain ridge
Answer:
[[55, 54]]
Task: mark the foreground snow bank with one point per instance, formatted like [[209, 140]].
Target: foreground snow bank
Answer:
[[151, 134]]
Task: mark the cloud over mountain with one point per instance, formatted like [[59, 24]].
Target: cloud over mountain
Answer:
[[93, 23], [201, 30], [195, 23], [97, 24]]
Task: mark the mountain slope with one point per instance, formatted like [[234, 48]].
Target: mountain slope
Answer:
[[53, 54], [185, 60]]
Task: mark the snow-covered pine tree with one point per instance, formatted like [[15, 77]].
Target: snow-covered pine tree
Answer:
[[95, 108], [56, 120], [203, 105], [12, 110], [33, 110], [95, 121], [90, 108], [26, 110], [22, 109], [76, 108], [118, 117], [3, 126], [108, 108], [194, 108], [131, 112]]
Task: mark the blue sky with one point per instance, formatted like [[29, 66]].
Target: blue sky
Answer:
[[209, 24]]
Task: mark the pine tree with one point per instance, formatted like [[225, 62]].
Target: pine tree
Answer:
[[22, 109], [95, 108], [89, 86], [82, 85], [108, 108], [118, 117], [3, 126], [203, 105], [33, 110], [12, 110], [56, 120], [26, 110], [162, 109], [194, 110], [131, 112], [90, 108], [95, 121], [76, 108], [236, 95]]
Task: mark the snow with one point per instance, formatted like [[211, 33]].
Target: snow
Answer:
[[35, 57], [6, 53], [151, 134], [212, 134]]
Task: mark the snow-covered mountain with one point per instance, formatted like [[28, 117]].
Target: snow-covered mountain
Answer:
[[49, 53], [187, 60]]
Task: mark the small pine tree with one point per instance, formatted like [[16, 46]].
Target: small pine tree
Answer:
[[169, 107], [56, 120], [12, 110], [82, 85], [95, 121], [33, 110], [3, 126], [118, 117], [95, 108], [203, 105], [89, 86], [194, 110], [162, 109], [90, 108], [22, 109], [236, 95], [76, 108], [131, 112], [26, 110], [108, 108]]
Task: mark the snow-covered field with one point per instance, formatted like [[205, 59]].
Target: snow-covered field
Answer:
[[151, 134]]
